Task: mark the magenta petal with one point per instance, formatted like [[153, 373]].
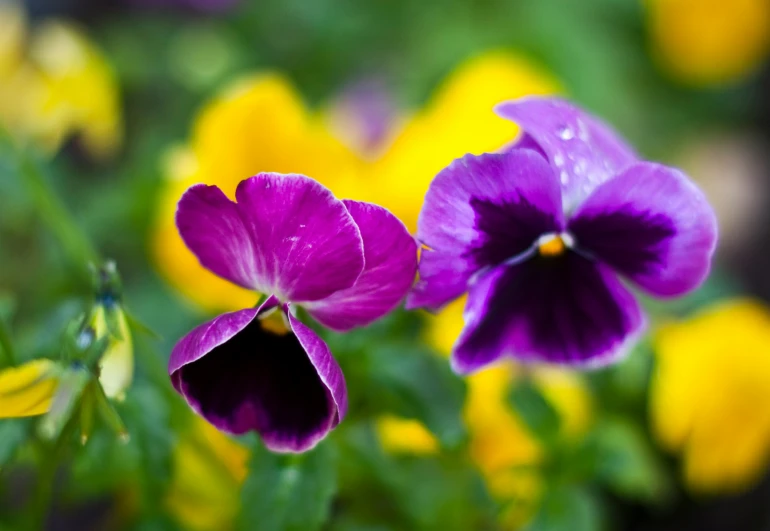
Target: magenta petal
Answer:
[[391, 264], [241, 377], [212, 229], [564, 310], [651, 224], [325, 365], [583, 150], [479, 212], [307, 244]]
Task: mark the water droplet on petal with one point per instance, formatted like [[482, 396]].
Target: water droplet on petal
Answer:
[[581, 166], [564, 177], [566, 133], [558, 159]]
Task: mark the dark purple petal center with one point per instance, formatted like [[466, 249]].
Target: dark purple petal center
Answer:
[[507, 229], [616, 237], [262, 381], [561, 308]]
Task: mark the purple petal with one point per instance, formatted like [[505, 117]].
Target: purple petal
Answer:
[[211, 227], [326, 366], [307, 244], [479, 212], [564, 310], [241, 377], [391, 265], [525, 141], [653, 225], [584, 151]]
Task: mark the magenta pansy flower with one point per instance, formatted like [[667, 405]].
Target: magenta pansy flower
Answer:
[[541, 235], [286, 236]]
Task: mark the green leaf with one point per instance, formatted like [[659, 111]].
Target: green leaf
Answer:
[[289, 492], [109, 415], [443, 492], [568, 509], [535, 411], [148, 421], [7, 305], [138, 327], [108, 462], [13, 432], [628, 464], [415, 383]]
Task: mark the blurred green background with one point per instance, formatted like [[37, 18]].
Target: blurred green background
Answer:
[[109, 110]]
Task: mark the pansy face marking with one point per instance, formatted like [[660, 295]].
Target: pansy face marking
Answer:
[[347, 262], [539, 235]]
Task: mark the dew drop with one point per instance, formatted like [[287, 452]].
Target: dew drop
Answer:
[[566, 133], [564, 177], [558, 159]]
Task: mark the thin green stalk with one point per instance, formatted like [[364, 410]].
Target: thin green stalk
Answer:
[[50, 456], [5, 343], [76, 245]]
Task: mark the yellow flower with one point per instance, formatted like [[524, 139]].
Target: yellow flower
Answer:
[[208, 470], [13, 27], [499, 440], [405, 436], [710, 395], [28, 390], [116, 366], [707, 42], [458, 120], [260, 124], [505, 452], [55, 85]]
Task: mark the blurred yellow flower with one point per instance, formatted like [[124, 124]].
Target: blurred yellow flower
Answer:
[[13, 27], [261, 124], [55, 85], [258, 124], [505, 451], [706, 42], [116, 366], [28, 390], [459, 119], [208, 470], [710, 395], [405, 436]]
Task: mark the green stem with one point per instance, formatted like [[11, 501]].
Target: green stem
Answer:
[[5, 343], [76, 245], [50, 457], [156, 371]]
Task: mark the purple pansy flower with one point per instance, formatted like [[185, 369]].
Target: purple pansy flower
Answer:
[[539, 235], [348, 263]]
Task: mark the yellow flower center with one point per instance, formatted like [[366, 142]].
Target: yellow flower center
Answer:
[[275, 322], [553, 245]]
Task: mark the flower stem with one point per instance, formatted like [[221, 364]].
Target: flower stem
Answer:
[[50, 456], [76, 245], [5, 343]]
